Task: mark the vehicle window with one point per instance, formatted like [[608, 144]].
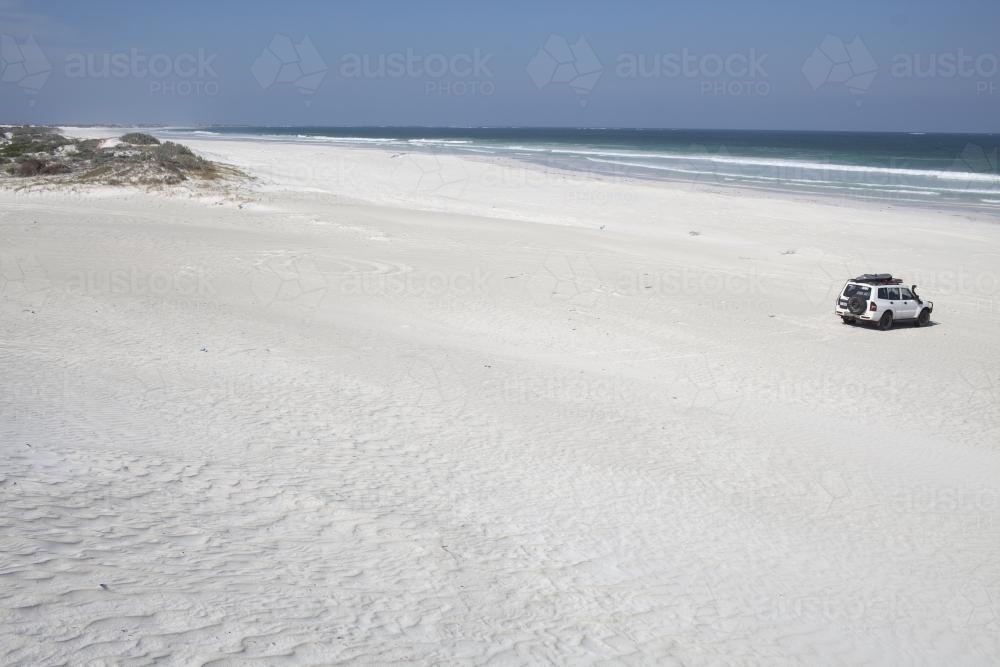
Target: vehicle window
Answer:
[[857, 290], [905, 293], [893, 293], [883, 293]]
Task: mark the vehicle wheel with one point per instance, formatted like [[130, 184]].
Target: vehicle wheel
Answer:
[[924, 318], [848, 320], [856, 305], [885, 323]]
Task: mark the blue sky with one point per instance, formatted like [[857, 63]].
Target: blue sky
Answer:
[[890, 65]]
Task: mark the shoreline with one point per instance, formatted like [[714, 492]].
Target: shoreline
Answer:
[[537, 170], [782, 186]]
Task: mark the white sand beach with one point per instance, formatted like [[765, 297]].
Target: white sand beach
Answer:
[[379, 407]]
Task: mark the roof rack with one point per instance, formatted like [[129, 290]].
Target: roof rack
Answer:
[[877, 279]]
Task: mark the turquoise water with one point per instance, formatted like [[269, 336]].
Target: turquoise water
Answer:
[[904, 167]]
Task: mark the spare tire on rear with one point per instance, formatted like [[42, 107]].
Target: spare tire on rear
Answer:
[[857, 304]]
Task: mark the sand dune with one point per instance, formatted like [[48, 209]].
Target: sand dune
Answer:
[[382, 407]]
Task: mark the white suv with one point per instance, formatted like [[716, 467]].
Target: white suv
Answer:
[[881, 298]]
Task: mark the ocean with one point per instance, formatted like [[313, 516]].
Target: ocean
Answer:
[[920, 168]]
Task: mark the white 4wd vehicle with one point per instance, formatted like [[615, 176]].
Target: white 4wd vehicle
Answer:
[[881, 298]]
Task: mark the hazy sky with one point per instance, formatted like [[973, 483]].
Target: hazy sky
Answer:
[[908, 65]]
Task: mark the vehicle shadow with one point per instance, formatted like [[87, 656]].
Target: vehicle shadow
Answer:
[[896, 326], [910, 325]]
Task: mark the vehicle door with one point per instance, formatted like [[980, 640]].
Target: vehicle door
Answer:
[[892, 301], [854, 290], [908, 304]]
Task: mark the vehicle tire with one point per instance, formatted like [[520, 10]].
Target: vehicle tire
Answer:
[[885, 323], [856, 305], [924, 318], [848, 320]]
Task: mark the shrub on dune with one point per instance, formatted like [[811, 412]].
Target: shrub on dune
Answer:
[[28, 167], [139, 139], [137, 159]]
